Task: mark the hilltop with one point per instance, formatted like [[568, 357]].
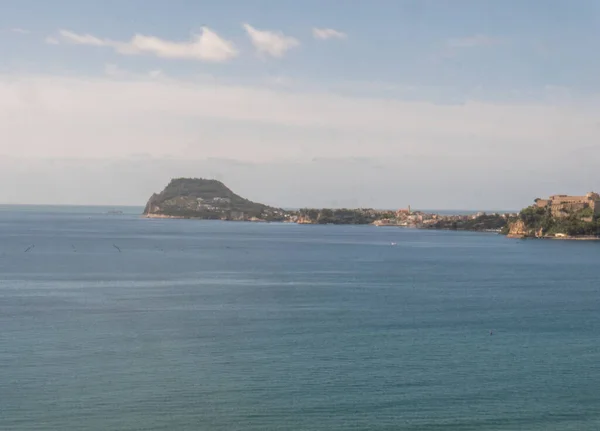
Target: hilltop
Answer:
[[560, 216], [206, 199]]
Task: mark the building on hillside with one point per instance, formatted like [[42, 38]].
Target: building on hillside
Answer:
[[403, 212], [562, 205]]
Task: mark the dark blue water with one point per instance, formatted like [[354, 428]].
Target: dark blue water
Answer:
[[232, 326]]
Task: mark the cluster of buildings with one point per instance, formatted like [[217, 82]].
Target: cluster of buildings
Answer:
[[408, 218], [559, 206], [213, 204], [563, 205]]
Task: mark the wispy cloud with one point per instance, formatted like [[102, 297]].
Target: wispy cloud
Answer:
[[52, 116], [475, 41], [206, 46], [19, 30], [273, 43], [114, 71], [51, 40], [328, 33], [116, 115], [84, 39]]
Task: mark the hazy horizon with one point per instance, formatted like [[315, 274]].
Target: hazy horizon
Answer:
[[139, 208], [473, 104]]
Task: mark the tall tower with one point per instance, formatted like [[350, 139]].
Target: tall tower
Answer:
[[409, 210]]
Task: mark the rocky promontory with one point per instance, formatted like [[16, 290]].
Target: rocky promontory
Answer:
[[559, 217], [198, 198]]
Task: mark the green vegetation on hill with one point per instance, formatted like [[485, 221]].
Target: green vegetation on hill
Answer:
[[204, 189], [207, 199], [340, 216], [483, 222], [575, 223]]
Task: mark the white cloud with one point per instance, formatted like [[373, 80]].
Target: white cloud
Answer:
[[473, 151], [206, 46], [114, 116], [84, 39], [273, 43], [20, 30], [328, 33], [472, 41]]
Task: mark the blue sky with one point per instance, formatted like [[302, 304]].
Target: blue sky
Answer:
[[530, 46], [402, 88]]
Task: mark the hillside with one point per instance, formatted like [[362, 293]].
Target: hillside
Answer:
[[477, 223], [536, 222], [207, 199], [337, 216]]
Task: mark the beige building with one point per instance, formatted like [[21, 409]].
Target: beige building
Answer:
[[561, 205]]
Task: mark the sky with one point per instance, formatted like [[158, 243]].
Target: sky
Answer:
[[462, 104]]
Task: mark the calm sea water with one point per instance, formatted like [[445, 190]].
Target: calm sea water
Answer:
[[122, 323]]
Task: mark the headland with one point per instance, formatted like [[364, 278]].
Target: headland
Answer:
[[558, 217], [204, 199]]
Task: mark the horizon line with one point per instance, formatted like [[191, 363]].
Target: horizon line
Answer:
[[430, 210]]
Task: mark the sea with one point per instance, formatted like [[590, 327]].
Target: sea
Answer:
[[117, 322]]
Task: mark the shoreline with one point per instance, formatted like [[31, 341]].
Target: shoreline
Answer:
[[556, 238], [164, 216], [509, 236], [401, 226]]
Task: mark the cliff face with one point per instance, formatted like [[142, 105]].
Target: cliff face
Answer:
[[151, 205], [519, 229], [206, 199]]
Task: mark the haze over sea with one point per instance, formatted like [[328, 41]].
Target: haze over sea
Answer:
[[115, 322]]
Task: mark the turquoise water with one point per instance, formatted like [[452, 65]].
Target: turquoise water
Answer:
[[234, 326]]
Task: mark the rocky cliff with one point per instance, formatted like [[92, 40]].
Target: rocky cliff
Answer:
[[518, 229], [207, 199]]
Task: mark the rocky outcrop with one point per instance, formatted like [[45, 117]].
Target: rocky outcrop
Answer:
[[151, 206], [559, 217], [518, 229]]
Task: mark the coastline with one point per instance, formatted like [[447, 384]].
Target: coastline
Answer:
[[164, 216], [161, 216], [311, 223], [556, 238], [304, 222], [560, 217], [575, 238]]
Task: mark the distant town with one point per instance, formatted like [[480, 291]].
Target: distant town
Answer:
[[481, 221]]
